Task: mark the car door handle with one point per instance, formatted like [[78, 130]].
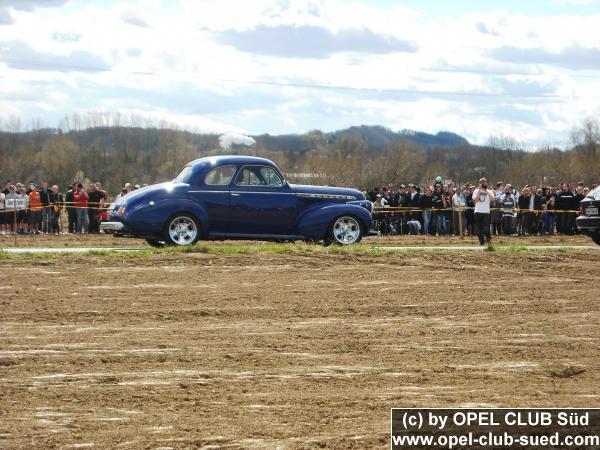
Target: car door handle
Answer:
[[233, 194]]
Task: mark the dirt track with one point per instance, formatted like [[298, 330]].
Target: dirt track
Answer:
[[298, 351], [103, 240]]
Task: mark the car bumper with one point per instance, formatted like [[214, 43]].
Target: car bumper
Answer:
[[588, 223], [112, 227]]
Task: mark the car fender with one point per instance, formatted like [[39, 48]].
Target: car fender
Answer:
[[313, 223], [152, 216]]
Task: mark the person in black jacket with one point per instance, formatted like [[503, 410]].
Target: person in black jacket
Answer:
[[565, 204], [46, 214], [71, 214], [413, 200], [56, 203], [525, 215], [579, 195], [469, 213], [402, 202]]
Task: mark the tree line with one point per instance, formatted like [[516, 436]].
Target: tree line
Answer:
[[114, 151]]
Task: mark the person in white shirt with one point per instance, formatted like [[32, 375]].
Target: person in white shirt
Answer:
[[458, 205], [482, 197]]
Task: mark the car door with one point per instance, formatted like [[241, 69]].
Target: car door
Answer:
[[261, 203], [213, 193]]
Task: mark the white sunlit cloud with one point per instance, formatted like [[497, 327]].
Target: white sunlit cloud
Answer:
[[289, 67]]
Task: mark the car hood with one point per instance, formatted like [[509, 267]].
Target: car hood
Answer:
[[326, 190], [151, 192]]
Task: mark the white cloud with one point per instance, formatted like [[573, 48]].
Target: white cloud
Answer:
[[133, 18], [576, 2], [191, 63]]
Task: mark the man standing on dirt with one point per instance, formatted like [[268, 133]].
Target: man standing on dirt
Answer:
[[482, 197]]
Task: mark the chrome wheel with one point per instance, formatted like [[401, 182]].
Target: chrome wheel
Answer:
[[183, 230], [346, 230]]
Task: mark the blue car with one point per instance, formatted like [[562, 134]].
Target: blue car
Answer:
[[239, 197]]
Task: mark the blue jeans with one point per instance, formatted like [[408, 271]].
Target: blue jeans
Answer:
[[426, 218], [440, 223], [46, 219], [81, 225]]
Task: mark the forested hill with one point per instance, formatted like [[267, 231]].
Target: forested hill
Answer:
[[361, 155], [376, 137]]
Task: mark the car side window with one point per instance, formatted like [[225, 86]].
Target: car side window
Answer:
[[220, 176], [258, 176]]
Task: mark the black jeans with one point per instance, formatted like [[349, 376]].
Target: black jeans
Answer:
[[507, 225], [482, 221]]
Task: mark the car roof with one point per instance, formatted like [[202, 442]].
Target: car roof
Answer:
[[230, 159]]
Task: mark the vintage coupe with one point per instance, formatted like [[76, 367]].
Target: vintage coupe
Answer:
[[589, 216], [239, 197]]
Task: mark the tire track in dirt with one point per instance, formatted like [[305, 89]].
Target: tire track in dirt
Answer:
[[301, 351]]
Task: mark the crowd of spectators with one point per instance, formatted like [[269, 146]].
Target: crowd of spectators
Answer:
[[443, 208], [434, 209], [43, 209]]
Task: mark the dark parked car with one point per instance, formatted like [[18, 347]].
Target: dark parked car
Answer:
[[589, 219], [239, 197]]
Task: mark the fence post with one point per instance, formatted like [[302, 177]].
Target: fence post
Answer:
[[460, 222], [15, 220]]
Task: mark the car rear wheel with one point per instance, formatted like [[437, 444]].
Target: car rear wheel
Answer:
[[182, 229], [155, 243], [345, 230], [596, 237]]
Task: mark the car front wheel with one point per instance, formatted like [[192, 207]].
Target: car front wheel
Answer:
[[345, 230], [596, 237], [182, 229]]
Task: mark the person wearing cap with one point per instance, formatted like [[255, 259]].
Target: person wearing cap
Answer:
[[483, 198], [438, 200]]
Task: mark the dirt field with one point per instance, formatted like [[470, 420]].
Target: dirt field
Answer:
[[238, 351]]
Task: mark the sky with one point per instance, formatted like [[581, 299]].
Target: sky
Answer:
[[525, 69]]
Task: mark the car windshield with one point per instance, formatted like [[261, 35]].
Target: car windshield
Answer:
[[595, 194], [184, 174]]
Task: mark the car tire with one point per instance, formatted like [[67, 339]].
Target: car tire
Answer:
[[182, 229], [345, 230], [155, 243], [596, 237]]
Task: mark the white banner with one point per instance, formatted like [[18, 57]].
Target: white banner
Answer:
[[9, 203]]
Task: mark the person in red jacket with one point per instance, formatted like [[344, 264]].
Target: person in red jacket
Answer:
[[35, 210], [80, 199]]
